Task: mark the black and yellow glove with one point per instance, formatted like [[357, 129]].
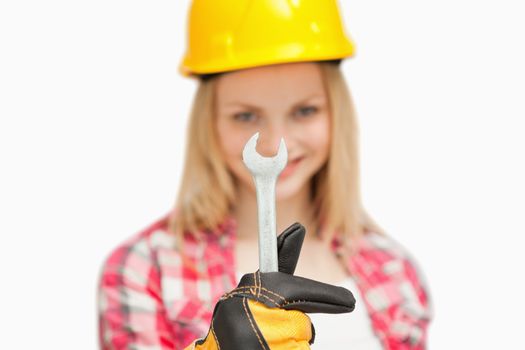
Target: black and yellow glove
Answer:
[[267, 310]]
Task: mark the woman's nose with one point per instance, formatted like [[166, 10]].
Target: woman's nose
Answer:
[[269, 139]]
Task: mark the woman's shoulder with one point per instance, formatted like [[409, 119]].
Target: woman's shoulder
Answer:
[[155, 246], [380, 259], [138, 251], [394, 287], [382, 251]]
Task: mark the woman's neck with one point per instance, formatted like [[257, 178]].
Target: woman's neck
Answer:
[[297, 208]]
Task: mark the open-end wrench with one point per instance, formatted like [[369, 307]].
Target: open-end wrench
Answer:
[[265, 171]]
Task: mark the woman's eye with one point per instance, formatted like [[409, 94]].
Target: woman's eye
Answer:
[[244, 117], [306, 111]]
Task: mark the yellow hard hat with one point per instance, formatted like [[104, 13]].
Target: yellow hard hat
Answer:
[[225, 35]]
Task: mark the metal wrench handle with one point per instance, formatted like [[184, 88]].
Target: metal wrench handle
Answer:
[[265, 189]]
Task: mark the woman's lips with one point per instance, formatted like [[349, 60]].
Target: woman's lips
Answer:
[[290, 167]]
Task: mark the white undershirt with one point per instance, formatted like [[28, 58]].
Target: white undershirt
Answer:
[[354, 329]]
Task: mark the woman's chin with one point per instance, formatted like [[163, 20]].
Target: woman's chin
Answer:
[[286, 190]]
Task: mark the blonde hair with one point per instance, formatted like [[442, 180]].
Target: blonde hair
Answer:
[[207, 191]]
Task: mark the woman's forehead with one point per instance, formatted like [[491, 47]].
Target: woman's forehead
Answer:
[[286, 82]]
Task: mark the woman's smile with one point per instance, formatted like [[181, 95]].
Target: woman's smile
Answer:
[[290, 167]]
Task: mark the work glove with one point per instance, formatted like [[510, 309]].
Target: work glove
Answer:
[[267, 309]]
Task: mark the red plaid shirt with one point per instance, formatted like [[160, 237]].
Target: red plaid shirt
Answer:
[[149, 299]]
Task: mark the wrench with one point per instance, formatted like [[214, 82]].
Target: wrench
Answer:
[[265, 171]]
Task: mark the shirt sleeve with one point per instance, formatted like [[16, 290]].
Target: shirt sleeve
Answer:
[[395, 293], [131, 314]]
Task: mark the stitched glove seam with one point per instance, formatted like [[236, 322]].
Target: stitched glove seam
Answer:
[[244, 304], [215, 336], [240, 289]]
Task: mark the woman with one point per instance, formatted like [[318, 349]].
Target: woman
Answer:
[[270, 67]]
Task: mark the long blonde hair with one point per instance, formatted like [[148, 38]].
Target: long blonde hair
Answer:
[[207, 190]]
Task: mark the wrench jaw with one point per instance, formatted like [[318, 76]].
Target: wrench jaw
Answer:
[[265, 171], [282, 156], [266, 166]]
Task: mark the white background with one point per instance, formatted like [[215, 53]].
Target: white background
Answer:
[[92, 123]]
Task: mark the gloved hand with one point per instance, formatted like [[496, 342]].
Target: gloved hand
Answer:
[[266, 310]]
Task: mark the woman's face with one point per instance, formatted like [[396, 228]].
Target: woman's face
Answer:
[[287, 100]]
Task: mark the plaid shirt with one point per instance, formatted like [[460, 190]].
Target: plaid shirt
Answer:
[[149, 299]]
